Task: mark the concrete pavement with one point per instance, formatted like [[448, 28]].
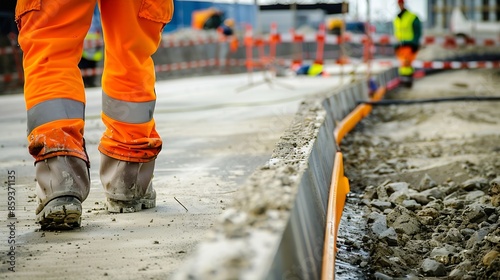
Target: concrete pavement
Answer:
[[215, 136]]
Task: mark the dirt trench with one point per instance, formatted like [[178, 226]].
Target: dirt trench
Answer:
[[425, 185]]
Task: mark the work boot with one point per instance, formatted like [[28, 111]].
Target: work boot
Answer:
[[63, 183], [128, 185], [406, 81]]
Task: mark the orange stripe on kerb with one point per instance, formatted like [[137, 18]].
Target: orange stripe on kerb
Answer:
[[361, 111], [339, 187], [336, 201]]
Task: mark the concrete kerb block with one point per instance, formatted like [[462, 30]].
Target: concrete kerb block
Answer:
[[356, 90], [344, 104], [363, 92], [278, 216], [319, 178], [328, 103], [327, 129], [385, 78]]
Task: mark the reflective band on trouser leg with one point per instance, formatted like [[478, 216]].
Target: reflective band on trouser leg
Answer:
[[55, 127], [130, 133], [132, 32], [128, 112], [406, 71], [130, 142], [53, 110]]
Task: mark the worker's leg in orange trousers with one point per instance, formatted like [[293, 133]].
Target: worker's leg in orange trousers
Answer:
[[132, 33], [129, 146], [51, 36]]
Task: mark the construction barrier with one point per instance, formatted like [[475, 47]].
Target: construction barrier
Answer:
[[293, 36], [297, 41], [205, 53], [444, 65], [11, 69]]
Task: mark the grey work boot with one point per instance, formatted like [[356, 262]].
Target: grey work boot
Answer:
[[63, 183], [128, 185]]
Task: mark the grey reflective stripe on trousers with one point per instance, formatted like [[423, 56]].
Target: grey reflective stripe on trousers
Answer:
[[128, 112], [53, 110]]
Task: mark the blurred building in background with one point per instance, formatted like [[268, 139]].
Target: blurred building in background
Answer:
[[199, 14], [287, 16], [440, 11], [185, 10]]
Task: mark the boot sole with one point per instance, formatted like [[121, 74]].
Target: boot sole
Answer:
[[120, 206], [62, 213]]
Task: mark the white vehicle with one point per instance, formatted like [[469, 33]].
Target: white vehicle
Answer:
[[461, 26]]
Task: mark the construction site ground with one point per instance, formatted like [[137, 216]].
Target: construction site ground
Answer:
[[425, 201], [216, 130]]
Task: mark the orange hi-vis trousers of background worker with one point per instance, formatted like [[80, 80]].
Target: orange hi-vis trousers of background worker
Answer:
[[406, 56], [51, 37]]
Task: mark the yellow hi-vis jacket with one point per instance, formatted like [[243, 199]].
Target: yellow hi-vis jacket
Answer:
[[403, 26], [93, 52], [315, 69]]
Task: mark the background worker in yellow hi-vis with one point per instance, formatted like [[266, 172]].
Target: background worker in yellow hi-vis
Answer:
[[408, 31]]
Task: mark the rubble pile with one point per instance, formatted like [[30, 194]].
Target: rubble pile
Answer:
[[427, 178]]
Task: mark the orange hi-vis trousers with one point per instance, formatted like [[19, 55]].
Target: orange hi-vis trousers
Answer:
[[406, 56], [51, 35]]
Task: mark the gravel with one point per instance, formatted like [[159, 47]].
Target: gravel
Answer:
[[426, 181]]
